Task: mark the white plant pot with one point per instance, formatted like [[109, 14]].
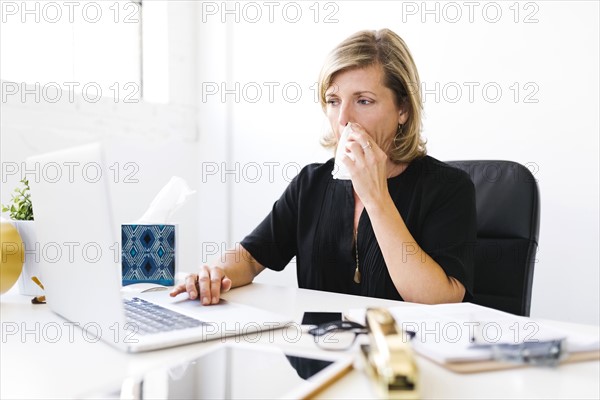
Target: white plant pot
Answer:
[[31, 266]]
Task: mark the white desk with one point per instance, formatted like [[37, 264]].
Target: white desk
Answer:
[[55, 361]]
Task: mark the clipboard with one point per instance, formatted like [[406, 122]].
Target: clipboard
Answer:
[[464, 357], [470, 367]]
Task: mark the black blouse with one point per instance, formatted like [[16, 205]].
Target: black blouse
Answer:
[[313, 220]]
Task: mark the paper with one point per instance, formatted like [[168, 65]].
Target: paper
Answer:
[[339, 170], [452, 332], [168, 200]]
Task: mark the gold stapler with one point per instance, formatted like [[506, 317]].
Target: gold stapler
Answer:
[[389, 357]]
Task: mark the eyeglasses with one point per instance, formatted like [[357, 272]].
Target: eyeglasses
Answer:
[[338, 335], [341, 335]]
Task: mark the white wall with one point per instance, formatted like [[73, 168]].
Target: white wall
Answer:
[[546, 116]]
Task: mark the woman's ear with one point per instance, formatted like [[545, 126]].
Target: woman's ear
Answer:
[[402, 115]]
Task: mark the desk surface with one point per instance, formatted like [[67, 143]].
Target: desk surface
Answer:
[[47, 358]]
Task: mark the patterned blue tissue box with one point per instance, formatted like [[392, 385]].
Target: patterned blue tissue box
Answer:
[[148, 254]]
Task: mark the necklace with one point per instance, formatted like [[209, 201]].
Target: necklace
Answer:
[[356, 271]]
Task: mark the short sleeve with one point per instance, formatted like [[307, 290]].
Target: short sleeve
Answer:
[[273, 242], [449, 230]]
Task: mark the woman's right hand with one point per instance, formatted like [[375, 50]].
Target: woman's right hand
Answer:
[[207, 285]]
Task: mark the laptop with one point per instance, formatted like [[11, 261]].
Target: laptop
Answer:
[[80, 265]]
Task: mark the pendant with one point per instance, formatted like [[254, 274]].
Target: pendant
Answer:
[[356, 275]]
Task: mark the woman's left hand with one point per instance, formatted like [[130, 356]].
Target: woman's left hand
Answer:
[[368, 171]]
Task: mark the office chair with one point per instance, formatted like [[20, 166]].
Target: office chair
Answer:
[[508, 222]]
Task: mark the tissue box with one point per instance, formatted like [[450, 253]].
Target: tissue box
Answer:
[[148, 253]]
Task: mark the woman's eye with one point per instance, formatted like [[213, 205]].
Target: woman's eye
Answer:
[[364, 101], [332, 102]]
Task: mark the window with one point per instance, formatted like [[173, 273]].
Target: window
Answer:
[[98, 48]]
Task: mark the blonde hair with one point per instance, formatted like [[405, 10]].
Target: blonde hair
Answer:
[[385, 48]]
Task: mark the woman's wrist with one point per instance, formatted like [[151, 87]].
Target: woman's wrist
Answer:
[[380, 204]]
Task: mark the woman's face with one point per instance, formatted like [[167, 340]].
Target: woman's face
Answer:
[[359, 96]]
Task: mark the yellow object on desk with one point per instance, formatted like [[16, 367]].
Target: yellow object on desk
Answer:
[[37, 282], [11, 257], [38, 299], [389, 359]]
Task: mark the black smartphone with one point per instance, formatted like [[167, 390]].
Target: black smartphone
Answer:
[[318, 318]]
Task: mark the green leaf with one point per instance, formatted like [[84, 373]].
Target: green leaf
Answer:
[[20, 207]]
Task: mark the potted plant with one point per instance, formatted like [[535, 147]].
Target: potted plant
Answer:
[[20, 211]]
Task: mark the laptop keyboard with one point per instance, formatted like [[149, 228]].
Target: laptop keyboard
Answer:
[[152, 318]]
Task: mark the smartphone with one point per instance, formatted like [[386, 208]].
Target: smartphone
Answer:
[[318, 318]]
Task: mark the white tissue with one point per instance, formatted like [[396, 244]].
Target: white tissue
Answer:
[[339, 170], [170, 198]]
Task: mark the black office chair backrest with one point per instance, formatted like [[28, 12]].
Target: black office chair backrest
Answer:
[[508, 222]]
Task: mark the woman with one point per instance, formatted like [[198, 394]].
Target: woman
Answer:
[[400, 228]]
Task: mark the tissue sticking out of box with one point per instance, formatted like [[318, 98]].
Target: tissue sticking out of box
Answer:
[[170, 198]]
